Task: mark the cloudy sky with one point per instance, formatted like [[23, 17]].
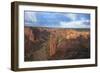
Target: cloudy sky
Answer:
[[56, 19]]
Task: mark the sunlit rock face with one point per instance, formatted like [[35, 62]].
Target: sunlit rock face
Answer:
[[75, 44], [52, 44]]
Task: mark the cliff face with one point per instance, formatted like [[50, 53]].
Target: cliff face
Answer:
[[35, 43], [73, 44], [56, 43]]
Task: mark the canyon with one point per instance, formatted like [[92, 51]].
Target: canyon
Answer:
[[56, 43]]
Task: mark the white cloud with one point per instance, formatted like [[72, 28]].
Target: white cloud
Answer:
[[75, 24], [31, 16], [72, 16]]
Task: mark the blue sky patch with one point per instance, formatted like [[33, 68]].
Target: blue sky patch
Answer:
[[56, 19]]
